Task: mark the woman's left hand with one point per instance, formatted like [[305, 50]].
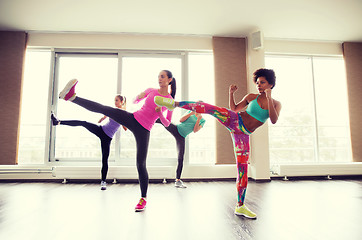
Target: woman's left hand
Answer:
[[158, 109], [268, 93]]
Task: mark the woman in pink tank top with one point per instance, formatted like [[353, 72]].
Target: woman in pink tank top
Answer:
[[139, 123]]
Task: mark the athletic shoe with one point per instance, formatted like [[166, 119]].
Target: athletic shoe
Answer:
[[244, 211], [141, 205], [55, 120], [180, 184], [68, 93], [165, 102], [103, 185]]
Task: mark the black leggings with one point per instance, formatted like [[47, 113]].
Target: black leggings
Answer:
[[180, 144], [98, 131], [126, 119]]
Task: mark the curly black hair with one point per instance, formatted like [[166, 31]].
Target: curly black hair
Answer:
[[269, 75]]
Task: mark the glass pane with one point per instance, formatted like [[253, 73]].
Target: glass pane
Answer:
[[138, 74], [292, 138], [97, 77], [331, 94], [34, 108], [201, 87]]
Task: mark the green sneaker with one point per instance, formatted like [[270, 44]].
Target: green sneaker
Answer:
[[165, 102], [244, 211]]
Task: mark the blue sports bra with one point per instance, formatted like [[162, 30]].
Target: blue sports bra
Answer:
[[256, 111]]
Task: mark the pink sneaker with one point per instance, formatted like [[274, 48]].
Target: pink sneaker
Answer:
[[141, 205], [68, 93]]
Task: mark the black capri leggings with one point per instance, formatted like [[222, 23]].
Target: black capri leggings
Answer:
[[98, 131], [180, 144], [126, 119]]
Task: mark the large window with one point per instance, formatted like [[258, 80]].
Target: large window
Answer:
[[313, 126], [101, 76]]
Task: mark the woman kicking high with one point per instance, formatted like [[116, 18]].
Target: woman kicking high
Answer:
[[241, 120], [105, 133], [139, 123]]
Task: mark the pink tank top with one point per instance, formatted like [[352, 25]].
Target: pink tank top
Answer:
[[147, 115]]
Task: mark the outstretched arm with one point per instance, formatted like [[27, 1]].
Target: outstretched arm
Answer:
[[139, 97], [142, 95]]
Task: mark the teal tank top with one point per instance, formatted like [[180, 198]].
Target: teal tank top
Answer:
[[256, 111], [187, 127]]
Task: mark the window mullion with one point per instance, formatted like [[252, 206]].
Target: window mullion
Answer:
[[316, 151], [117, 137]]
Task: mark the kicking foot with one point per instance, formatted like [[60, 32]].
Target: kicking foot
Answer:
[[141, 205], [244, 211], [68, 93], [55, 120], [165, 102]]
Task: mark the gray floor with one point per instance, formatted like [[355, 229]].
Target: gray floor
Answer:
[[305, 209]]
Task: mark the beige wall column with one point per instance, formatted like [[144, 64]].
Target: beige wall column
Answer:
[[230, 68], [352, 53], [12, 51]]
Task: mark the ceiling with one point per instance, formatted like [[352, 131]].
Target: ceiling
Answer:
[[319, 20]]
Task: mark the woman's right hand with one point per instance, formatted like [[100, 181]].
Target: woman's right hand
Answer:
[[233, 88]]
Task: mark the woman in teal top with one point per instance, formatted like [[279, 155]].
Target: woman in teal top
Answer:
[[241, 120], [190, 122]]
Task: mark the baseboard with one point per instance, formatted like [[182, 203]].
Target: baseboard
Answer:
[[117, 172], [308, 170]]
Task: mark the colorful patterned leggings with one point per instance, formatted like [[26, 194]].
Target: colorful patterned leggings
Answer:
[[239, 134]]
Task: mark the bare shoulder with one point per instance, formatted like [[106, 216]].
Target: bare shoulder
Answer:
[[251, 96]]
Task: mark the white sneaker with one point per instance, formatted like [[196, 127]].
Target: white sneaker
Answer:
[[180, 184], [103, 185], [68, 93]]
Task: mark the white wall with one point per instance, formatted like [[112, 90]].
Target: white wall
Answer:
[[302, 47], [118, 41]]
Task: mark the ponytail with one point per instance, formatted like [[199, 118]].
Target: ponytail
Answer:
[[172, 83], [173, 87]]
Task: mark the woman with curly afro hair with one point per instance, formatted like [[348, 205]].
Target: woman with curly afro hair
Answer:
[[241, 119]]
